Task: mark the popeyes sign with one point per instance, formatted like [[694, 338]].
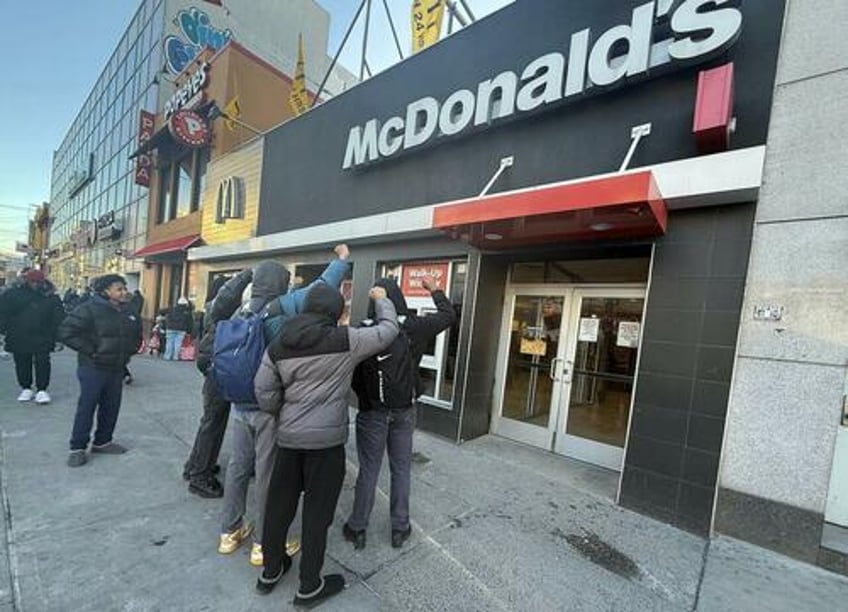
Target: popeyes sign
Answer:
[[412, 284], [189, 129], [143, 162]]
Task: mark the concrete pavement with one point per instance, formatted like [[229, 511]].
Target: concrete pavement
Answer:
[[498, 526]]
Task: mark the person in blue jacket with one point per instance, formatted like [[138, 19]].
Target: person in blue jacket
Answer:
[[253, 431]]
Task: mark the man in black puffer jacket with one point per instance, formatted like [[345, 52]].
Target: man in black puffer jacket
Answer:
[[106, 334], [222, 300], [30, 314]]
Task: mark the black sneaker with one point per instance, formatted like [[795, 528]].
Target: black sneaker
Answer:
[[206, 487], [399, 537], [355, 536], [330, 585], [266, 584]]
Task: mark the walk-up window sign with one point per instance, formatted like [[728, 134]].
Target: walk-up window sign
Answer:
[[698, 31]]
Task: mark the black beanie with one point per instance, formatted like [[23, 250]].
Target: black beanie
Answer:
[[324, 300]]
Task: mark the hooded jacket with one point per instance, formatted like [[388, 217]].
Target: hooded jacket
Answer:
[[306, 372], [103, 335], [221, 304], [420, 330], [30, 318], [179, 318], [270, 294]]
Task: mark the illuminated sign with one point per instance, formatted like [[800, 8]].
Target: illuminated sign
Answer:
[[699, 30]]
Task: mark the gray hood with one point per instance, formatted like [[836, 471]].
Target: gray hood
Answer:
[[270, 280]]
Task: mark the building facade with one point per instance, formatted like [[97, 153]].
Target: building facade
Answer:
[[627, 206], [100, 210]]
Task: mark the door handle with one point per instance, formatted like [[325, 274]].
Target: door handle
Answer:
[[552, 372]]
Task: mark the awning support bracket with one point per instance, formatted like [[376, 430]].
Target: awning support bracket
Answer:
[[637, 132], [506, 162]]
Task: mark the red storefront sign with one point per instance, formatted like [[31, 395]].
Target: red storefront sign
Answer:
[[413, 274], [188, 128], [143, 162]]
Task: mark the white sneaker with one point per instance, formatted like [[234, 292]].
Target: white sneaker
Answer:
[[42, 397], [26, 395]]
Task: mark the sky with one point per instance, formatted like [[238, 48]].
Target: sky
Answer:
[[52, 54]]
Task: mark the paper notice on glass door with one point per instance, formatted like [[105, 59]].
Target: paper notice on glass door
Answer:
[[588, 331], [628, 334]]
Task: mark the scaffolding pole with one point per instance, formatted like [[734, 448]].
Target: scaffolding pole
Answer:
[[338, 53]]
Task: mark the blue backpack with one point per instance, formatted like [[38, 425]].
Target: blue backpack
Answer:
[[237, 355]]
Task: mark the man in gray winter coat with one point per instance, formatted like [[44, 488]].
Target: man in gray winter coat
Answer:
[[305, 378]]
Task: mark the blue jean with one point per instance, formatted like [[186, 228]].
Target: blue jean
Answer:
[[379, 432], [100, 390], [173, 344]]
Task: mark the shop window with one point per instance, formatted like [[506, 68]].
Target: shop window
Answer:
[[437, 369], [183, 170], [181, 183], [622, 270]]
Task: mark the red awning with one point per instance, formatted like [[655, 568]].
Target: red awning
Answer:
[[621, 206], [167, 246]]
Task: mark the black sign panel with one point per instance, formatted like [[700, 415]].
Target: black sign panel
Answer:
[[577, 75]]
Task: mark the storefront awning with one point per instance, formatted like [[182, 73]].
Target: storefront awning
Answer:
[[620, 206], [168, 246], [160, 138]]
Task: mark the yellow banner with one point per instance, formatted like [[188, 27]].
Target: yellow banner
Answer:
[[233, 111], [299, 98], [427, 18]]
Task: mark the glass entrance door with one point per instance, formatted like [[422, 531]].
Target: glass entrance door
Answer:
[[599, 375], [531, 353], [567, 367]]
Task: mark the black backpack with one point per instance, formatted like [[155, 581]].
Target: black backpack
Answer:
[[387, 380]]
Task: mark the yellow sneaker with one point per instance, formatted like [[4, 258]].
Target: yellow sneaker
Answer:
[[292, 547], [230, 542], [256, 555], [257, 560]]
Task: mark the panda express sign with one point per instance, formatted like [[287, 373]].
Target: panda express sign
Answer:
[[699, 31]]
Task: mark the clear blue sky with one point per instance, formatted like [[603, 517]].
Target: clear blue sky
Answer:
[[52, 52]]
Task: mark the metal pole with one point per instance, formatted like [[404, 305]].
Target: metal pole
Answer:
[[394, 32], [365, 40], [468, 10], [338, 53], [450, 23], [455, 12]]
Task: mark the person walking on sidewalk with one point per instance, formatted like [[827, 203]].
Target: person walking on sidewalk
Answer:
[[135, 303], [30, 314], [253, 448], [304, 381], [222, 301], [387, 386], [178, 322], [105, 333]]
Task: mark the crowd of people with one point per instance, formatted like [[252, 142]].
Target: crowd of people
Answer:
[[280, 361]]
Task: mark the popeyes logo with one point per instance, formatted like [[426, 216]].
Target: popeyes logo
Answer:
[[412, 281], [189, 129]]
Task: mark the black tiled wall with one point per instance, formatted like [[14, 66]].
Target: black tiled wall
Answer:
[[688, 348]]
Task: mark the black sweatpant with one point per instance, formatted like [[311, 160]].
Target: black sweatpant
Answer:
[[210, 432], [319, 474], [23, 368]]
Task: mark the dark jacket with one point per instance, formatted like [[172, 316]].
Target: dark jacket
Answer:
[[420, 330], [220, 307], [103, 335], [137, 303], [179, 318], [305, 374], [30, 318]]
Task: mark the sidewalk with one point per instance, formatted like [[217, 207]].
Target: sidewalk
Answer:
[[498, 527]]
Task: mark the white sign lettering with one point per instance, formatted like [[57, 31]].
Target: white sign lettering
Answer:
[[700, 29], [188, 92]]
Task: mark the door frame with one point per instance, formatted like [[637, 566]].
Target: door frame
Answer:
[[553, 437]]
